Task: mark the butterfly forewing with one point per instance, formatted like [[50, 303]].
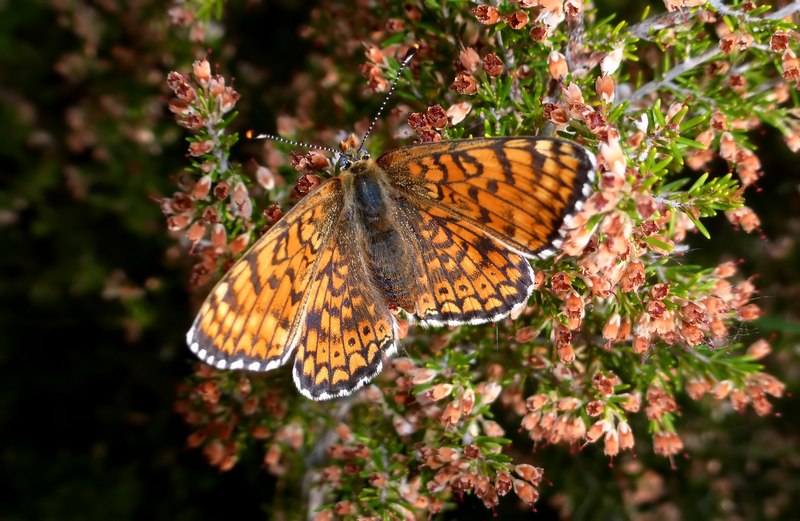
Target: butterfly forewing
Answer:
[[253, 316], [519, 190], [348, 330]]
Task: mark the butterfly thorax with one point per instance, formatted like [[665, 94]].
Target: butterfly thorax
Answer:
[[388, 255]]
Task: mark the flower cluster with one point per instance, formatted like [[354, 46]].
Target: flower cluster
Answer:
[[428, 124], [248, 406], [468, 458], [377, 69], [211, 207]]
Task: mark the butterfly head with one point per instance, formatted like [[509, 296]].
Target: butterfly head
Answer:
[[351, 153]]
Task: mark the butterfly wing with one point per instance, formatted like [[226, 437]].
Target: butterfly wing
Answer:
[[462, 274], [349, 330], [253, 316], [517, 189]]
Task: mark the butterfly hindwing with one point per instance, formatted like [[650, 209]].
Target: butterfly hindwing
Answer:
[[253, 316], [463, 275], [348, 329], [518, 189]]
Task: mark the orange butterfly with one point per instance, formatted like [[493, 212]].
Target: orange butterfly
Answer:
[[441, 230]]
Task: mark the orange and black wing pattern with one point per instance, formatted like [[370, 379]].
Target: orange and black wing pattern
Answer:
[[518, 189], [348, 330], [463, 275], [253, 317]]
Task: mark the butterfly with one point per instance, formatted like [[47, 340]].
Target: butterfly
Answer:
[[443, 231]]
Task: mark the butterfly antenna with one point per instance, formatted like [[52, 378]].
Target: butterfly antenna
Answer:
[[250, 135], [410, 54]]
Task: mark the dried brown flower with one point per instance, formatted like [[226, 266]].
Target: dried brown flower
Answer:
[[492, 64], [437, 117], [516, 20], [465, 83], [486, 14], [779, 41]]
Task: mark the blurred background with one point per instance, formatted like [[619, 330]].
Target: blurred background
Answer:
[[94, 297]]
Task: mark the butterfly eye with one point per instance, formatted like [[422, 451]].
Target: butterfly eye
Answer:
[[343, 162]]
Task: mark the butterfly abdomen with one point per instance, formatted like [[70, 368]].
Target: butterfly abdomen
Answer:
[[386, 250]]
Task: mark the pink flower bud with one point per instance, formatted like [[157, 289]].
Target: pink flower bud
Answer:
[[456, 113], [219, 237], [610, 63], [605, 89], [196, 232], [202, 72], [202, 188], [557, 65], [469, 59], [239, 244]]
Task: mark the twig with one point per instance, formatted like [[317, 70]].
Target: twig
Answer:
[[785, 11], [575, 46], [654, 23], [673, 73], [724, 10], [319, 452], [690, 94], [696, 61], [644, 28]]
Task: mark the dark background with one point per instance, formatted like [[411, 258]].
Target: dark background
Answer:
[[94, 301]]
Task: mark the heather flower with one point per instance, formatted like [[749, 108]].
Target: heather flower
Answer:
[[516, 20], [198, 148], [309, 162], [486, 14], [465, 83], [178, 222], [759, 349], [239, 243], [555, 114], [538, 32], [219, 237], [552, 13], [745, 218], [438, 391], [525, 491], [611, 61], [605, 89], [596, 430], [196, 232], [791, 66], [437, 117], [469, 59], [595, 408], [394, 25], [456, 113], [492, 65], [222, 190], [667, 443], [557, 65], [306, 183], [202, 72]]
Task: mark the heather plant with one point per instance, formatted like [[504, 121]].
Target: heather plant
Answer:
[[621, 335]]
